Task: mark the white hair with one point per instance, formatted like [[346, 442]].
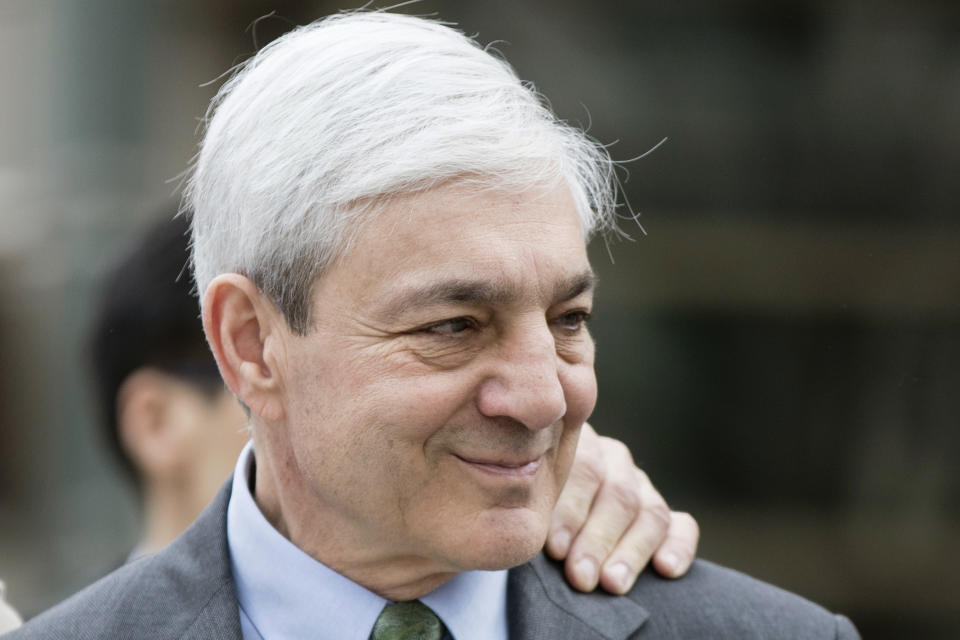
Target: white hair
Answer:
[[336, 117]]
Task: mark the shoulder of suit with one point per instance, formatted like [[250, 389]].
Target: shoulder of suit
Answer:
[[718, 597], [710, 601], [186, 590]]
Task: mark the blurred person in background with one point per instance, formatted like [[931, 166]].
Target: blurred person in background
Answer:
[[177, 430], [174, 427]]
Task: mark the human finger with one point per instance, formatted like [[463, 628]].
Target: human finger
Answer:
[[638, 545], [676, 554], [615, 508], [573, 506]]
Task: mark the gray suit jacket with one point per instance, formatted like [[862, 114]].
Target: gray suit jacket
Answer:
[[187, 592]]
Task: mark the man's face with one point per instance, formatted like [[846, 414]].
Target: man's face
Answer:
[[433, 410]]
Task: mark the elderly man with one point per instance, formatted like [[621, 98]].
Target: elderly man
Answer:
[[177, 430], [389, 233]]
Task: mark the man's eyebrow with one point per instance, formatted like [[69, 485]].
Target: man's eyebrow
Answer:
[[479, 292], [452, 291], [579, 284]]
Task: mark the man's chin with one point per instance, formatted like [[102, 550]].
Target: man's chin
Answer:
[[504, 541]]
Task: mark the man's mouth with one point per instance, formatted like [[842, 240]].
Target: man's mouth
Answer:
[[505, 467]]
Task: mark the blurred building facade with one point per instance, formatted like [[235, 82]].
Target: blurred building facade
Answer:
[[781, 350]]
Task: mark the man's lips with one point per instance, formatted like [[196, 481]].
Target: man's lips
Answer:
[[514, 468]]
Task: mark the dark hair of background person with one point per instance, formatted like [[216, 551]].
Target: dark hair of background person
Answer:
[[148, 316]]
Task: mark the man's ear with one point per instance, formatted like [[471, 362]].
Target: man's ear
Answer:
[[244, 331]]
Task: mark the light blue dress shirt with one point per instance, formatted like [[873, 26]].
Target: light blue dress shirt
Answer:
[[285, 594]]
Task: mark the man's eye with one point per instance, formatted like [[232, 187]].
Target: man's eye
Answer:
[[451, 327], [573, 321]]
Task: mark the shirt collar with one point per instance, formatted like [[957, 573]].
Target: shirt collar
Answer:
[[285, 593]]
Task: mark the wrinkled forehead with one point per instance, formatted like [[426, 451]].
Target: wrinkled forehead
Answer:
[[457, 242], [456, 203]]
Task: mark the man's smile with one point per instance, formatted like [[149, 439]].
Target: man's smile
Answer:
[[518, 469]]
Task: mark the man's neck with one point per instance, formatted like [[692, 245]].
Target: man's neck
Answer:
[[395, 577], [168, 511]]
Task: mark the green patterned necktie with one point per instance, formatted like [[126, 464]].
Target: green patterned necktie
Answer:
[[411, 620]]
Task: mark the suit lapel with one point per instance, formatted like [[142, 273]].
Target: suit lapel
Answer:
[[540, 606], [217, 619], [199, 566]]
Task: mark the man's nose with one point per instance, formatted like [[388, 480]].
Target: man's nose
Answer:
[[524, 380]]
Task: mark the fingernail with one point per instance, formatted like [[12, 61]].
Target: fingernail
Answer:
[[619, 575], [586, 570], [561, 542], [671, 561]]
